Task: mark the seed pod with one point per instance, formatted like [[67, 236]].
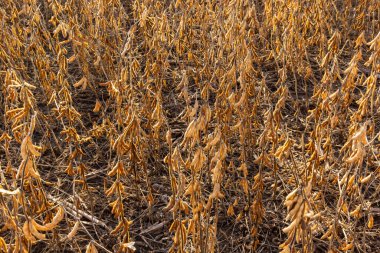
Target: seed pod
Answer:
[[91, 248], [73, 231], [97, 107], [50, 226], [28, 235], [35, 232], [370, 221], [366, 179]]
